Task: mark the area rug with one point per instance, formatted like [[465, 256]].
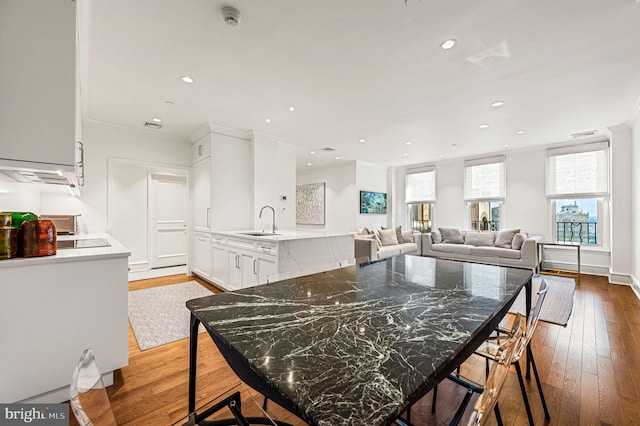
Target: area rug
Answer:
[[158, 315], [558, 304]]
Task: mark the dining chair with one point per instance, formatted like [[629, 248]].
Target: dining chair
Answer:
[[89, 400], [490, 391], [489, 348]]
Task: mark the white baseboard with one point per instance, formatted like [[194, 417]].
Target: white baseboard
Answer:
[[620, 279], [61, 394], [138, 266], [156, 273], [635, 286], [584, 269]]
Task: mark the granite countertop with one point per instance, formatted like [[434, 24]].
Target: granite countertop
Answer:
[[355, 345], [281, 234], [71, 255]]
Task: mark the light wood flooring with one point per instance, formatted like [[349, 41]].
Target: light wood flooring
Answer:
[[590, 370]]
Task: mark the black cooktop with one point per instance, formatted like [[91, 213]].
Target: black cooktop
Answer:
[[85, 243]]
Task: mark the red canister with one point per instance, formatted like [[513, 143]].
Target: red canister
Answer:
[[37, 238]]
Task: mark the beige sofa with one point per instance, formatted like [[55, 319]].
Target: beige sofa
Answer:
[[506, 247], [366, 246]]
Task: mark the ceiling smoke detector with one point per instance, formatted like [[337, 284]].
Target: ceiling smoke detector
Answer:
[[231, 15]]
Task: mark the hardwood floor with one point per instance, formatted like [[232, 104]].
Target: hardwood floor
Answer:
[[590, 370]]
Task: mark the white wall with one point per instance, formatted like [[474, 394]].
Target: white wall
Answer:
[[274, 176], [341, 195], [635, 207], [105, 141], [371, 177]]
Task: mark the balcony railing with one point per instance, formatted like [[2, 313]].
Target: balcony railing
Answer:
[[480, 225], [577, 232]]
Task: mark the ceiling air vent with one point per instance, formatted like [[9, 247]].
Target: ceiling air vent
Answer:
[[152, 125], [584, 134], [327, 149]]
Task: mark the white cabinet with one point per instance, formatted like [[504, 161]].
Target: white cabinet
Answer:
[[242, 262], [201, 195], [219, 274], [38, 91], [201, 257]]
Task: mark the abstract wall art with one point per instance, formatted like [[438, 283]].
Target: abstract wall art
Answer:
[[310, 203]]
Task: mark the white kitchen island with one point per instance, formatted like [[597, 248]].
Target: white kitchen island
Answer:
[[54, 307], [240, 259]]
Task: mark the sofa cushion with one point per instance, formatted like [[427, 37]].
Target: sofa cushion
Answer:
[[518, 240], [479, 238], [495, 252], [452, 235], [504, 238], [452, 248], [408, 248], [388, 237], [388, 251], [436, 237], [365, 237]]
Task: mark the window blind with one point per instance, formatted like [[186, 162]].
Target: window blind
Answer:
[[420, 185], [484, 179], [581, 170]]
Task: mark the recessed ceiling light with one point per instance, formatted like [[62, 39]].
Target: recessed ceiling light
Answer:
[[484, 126], [520, 132], [405, 154], [363, 140], [312, 152], [505, 145], [156, 120], [187, 79], [442, 156], [408, 143], [308, 164], [497, 104], [448, 44], [291, 109], [268, 120], [337, 158]]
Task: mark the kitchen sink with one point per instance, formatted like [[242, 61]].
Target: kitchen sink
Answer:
[[257, 234]]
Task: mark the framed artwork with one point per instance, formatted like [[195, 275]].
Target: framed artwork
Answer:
[[373, 202], [310, 203]]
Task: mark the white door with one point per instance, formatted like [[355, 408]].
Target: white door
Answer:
[[168, 220]]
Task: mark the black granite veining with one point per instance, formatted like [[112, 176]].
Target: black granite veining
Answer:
[[356, 345]]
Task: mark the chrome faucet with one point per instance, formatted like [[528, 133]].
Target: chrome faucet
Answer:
[[274, 227]]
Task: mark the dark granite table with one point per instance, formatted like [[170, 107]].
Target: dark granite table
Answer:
[[359, 344]]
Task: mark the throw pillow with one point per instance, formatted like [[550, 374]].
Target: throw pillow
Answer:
[[388, 237], [364, 231], [436, 237], [398, 230], [407, 236], [378, 242], [518, 240], [504, 237], [452, 235], [479, 239]]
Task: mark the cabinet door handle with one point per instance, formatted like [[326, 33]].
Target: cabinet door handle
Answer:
[[208, 216], [237, 261], [255, 271]]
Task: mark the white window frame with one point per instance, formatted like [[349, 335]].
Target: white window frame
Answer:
[[471, 195], [428, 197], [602, 195]]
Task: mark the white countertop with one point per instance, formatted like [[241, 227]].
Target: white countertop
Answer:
[[283, 234], [73, 254]]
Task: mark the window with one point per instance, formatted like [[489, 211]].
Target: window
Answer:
[[578, 188], [484, 192], [420, 196]]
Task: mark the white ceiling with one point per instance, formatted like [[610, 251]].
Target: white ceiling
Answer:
[[369, 69]]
